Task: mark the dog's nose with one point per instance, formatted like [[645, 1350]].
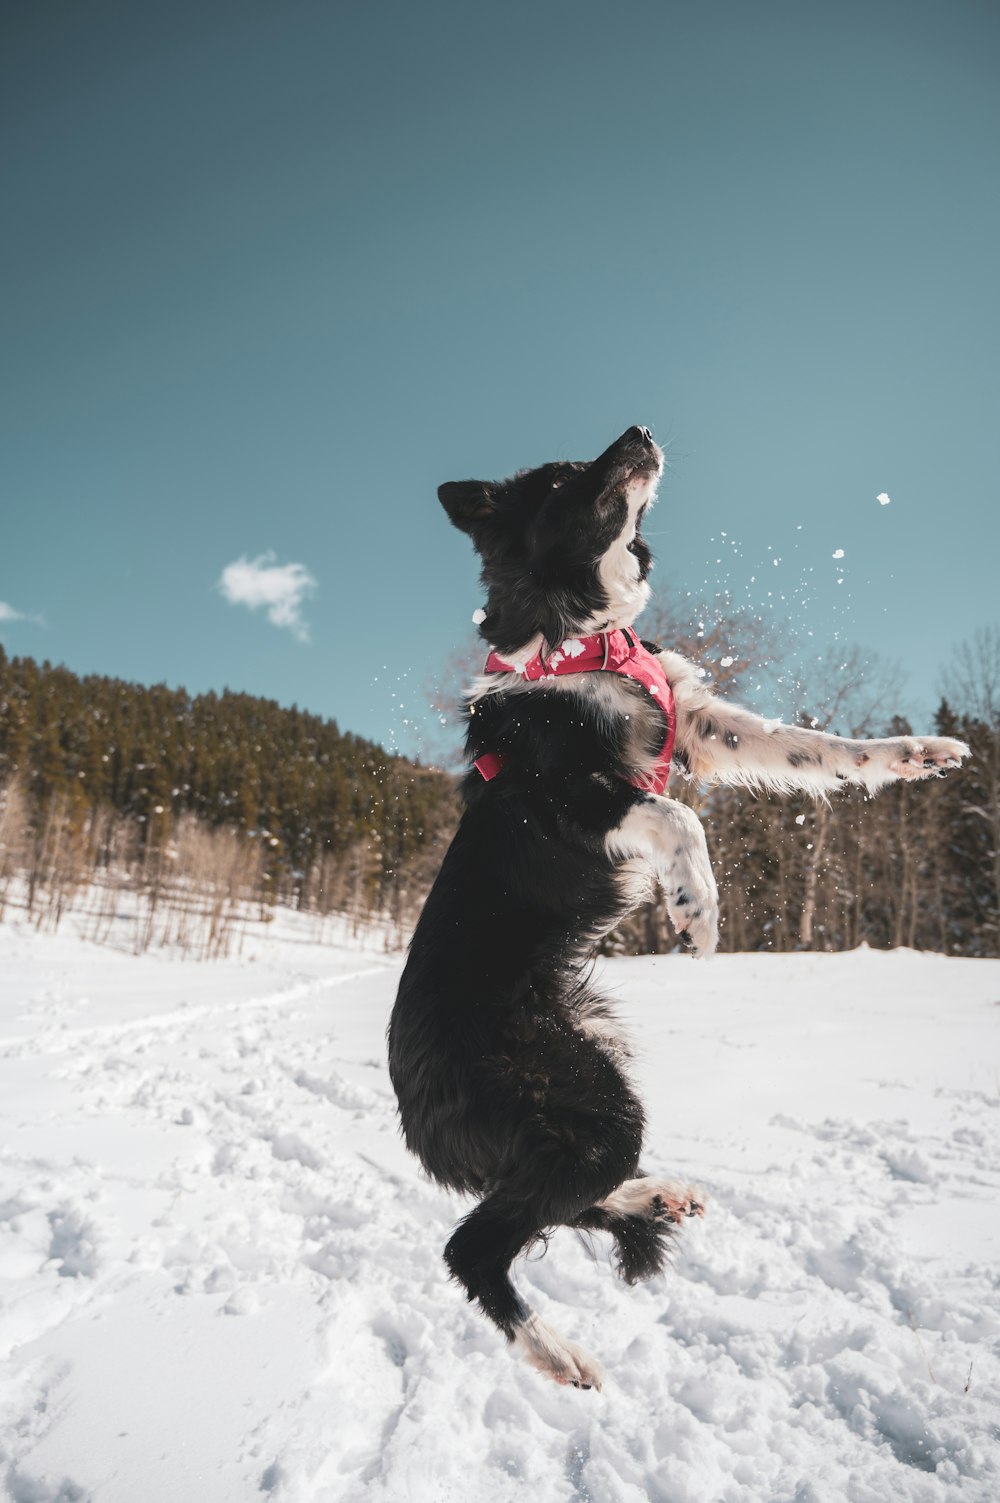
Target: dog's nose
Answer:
[[635, 447]]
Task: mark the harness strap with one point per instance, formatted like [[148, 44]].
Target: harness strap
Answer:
[[489, 764], [617, 651]]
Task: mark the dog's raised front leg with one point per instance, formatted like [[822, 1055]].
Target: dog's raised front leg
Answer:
[[724, 743], [727, 744], [670, 838]]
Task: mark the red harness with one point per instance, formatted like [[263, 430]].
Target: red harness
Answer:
[[618, 651]]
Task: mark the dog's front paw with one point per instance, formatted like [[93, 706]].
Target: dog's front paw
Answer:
[[693, 909], [927, 756]]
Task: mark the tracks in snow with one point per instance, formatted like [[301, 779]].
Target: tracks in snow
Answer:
[[217, 1261]]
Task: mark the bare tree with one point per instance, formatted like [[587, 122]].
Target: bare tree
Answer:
[[973, 680], [15, 836], [850, 693], [974, 689]]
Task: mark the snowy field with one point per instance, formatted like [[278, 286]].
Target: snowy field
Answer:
[[221, 1276]]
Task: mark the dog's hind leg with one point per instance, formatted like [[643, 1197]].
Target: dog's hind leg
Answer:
[[479, 1256]]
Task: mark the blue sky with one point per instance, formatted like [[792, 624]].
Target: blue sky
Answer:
[[272, 273]]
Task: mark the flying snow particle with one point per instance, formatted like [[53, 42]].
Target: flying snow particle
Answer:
[[479, 616], [838, 553], [726, 662], [882, 499], [800, 819]]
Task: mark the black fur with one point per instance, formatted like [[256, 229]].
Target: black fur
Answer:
[[503, 1090], [541, 537]]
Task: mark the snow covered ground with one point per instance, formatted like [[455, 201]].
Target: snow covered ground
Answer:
[[220, 1274]]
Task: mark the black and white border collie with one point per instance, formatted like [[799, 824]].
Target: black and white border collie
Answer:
[[511, 1072]]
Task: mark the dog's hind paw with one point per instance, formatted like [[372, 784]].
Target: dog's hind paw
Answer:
[[555, 1357], [674, 1202], [659, 1199]]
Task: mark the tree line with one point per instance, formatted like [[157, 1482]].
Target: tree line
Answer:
[[102, 780], [202, 805]]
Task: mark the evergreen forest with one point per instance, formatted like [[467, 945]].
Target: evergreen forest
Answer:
[[179, 795]]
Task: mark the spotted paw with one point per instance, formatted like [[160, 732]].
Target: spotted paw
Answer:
[[693, 909], [928, 757]]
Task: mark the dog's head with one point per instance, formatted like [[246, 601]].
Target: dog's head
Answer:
[[561, 548]]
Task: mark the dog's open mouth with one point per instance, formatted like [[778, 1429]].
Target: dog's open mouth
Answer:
[[644, 466], [647, 468]]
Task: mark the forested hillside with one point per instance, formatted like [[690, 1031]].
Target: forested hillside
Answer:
[[101, 774]]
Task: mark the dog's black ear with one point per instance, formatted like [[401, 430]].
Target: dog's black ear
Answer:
[[467, 502]]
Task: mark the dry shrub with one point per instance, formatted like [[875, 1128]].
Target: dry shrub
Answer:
[[198, 888]]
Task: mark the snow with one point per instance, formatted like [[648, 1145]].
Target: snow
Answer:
[[221, 1276], [882, 499], [478, 616]]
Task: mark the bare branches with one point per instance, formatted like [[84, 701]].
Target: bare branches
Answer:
[[727, 643], [973, 683], [850, 692]]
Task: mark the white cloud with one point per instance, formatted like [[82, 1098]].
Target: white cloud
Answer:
[[8, 613], [279, 588]]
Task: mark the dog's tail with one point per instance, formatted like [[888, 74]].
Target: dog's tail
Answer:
[[642, 1246]]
